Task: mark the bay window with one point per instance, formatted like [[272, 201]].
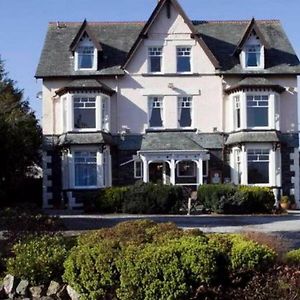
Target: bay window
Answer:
[[257, 111], [258, 166], [185, 111], [84, 112], [155, 112], [85, 167]]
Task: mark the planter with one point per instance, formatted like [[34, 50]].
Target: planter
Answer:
[[284, 205]]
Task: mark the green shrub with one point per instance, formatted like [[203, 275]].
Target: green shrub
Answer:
[[165, 271], [137, 232], [150, 198], [91, 270], [255, 199], [248, 255], [215, 196], [226, 198], [293, 257], [39, 259]]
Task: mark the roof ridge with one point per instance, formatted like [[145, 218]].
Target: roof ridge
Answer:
[[236, 21], [96, 23]]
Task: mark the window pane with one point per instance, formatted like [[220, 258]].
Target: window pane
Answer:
[[185, 118], [187, 169], [155, 64], [183, 64], [257, 117], [252, 60], [85, 168], [155, 119], [258, 166], [84, 118], [258, 172]]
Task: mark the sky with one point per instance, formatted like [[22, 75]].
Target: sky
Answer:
[[23, 25]]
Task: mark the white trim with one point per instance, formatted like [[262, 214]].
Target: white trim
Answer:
[[135, 162], [162, 112], [161, 59]]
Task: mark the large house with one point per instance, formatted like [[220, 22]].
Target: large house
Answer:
[[173, 100]]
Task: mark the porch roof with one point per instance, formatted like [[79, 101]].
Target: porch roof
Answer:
[[179, 141], [86, 138], [254, 137]]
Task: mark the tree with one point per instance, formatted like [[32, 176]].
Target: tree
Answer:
[[20, 138]]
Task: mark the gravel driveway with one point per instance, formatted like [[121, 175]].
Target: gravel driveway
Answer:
[[287, 226]]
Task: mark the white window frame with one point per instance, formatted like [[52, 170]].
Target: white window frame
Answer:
[[99, 167], [256, 94], [186, 176], [67, 119], [135, 163], [259, 148], [273, 106], [85, 42], [150, 103], [237, 107], [252, 42], [179, 109], [80, 97], [190, 56], [161, 59]]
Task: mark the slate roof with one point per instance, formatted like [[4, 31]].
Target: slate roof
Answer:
[[117, 38], [253, 136], [256, 82], [86, 138], [85, 84], [176, 141]]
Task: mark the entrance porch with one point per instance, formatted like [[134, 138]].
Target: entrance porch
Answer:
[[181, 167]]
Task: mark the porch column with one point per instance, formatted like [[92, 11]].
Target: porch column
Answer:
[[172, 172], [200, 172], [164, 175], [145, 169]]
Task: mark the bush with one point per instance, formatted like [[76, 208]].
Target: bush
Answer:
[[227, 198], [214, 196], [293, 257], [165, 271], [91, 270], [248, 256], [39, 259], [150, 198]]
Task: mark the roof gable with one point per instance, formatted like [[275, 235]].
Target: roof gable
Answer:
[[252, 27], [152, 19], [84, 29]]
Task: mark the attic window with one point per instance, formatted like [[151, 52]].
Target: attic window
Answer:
[[253, 53], [85, 54]]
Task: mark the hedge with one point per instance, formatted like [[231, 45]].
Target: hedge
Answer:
[[228, 198], [140, 198]]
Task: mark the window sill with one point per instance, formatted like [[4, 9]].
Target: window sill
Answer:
[[169, 74], [87, 187]]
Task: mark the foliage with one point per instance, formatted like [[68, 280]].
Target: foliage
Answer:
[[213, 196], [285, 199], [273, 241], [20, 139], [91, 270], [108, 200], [150, 198], [165, 271], [23, 220], [137, 232], [247, 255], [39, 259], [226, 198], [293, 257]]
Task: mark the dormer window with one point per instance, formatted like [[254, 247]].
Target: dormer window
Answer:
[[85, 57], [253, 55], [85, 54]]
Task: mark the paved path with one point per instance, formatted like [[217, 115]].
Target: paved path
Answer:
[[287, 226]]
